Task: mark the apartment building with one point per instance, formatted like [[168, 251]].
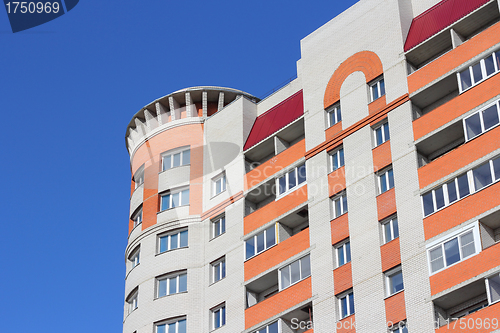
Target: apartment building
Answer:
[[363, 196]]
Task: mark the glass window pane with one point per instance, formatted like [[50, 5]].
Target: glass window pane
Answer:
[[167, 162], [174, 239], [452, 191], [467, 244], [395, 227], [305, 264], [182, 283], [223, 315], [177, 160], [396, 282], [428, 204], [463, 186], [344, 203], [175, 200], [285, 277], [451, 252], [375, 92], [217, 276], [338, 208], [186, 157], [436, 257], [496, 168], [386, 132], [473, 126], [439, 197], [301, 174], [185, 197], [331, 118], [217, 318], [162, 288], [390, 174], [494, 288], [217, 228], [343, 303], [260, 242], [497, 56], [476, 71], [223, 225], [351, 303], [339, 115], [163, 243], [341, 157], [490, 117], [295, 271], [250, 247], [490, 65], [340, 256], [383, 183], [387, 232], [335, 161], [171, 328], [378, 134], [172, 285], [270, 236], [292, 179], [184, 238], [223, 270], [165, 202], [160, 329], [482, 176], [465, 79], [282, 185], [382, 87], [273, 328], [347, 252]]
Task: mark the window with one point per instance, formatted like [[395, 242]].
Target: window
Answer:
[[337, 159], [218, 226], [219, 184], [394, 281], [390, 229], [291, 180], [402, 328], [176, 158], [346, 304], [218, 268], [295, 272], [132, 300], [139, 177], [137, 217], [172, 241], [334, 115], [218, 315], [385, 180], [343, 252], [271, 328], [171, 284], [493, 288], [381, 134], [339, 205], [175, 198], [460, 187], [260, 242], [478, 72], [134, 257], [481, 121], [377, 89], [444, 253], [172, 326], [470, 309]]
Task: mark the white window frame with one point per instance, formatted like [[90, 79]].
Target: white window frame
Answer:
[[470, 182], [301, 277], [267, 327], [335, 155], [218, 226], [343, 210], [400, 328], [167, 277], [377, 84], [389, 221], [342, 245], [139, 176], [254, 237], [171, 193], [132, 300], [488, 291], [169, 322], [334, 112], [385, 136], [182, 151], [221, 308], [345, 295], [137, 216], [134, 257], [474, 227], [388, 275], [288, 190], [387, 180], [218, 266], [483, 71], [223, 184], [169, 234], [480, 112]]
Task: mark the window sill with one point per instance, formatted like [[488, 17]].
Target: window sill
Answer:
[[179, 248], [166, 210], [336, 217], [128, 273], [378, 195], [346, 317], [341, 266], [180, 166], [391, 295], [276, 244], [381, 144], [161, 297], [392, 240], [211, 284], [280, 196], [215, 195], [211, 239]]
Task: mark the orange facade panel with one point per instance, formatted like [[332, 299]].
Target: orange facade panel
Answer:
[[395, 309], [459, 105], [333, 130], [342, 278], [377, 105], [336, 181], [467, 269], [459, 158], [275, 209], [386, 204], [482, 321], [454, 58], [462, 210], [346, 325], [277, 254], [278, 303], [275, 164], [340, 228], [382, 156], [391, 254]]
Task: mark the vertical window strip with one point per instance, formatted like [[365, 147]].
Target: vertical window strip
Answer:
[[478, 72], [291, 180]]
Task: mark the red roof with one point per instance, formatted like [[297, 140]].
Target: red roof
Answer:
[[437, 18], [275, 119]]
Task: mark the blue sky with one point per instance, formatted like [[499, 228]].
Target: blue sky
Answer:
[[68, 90]]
